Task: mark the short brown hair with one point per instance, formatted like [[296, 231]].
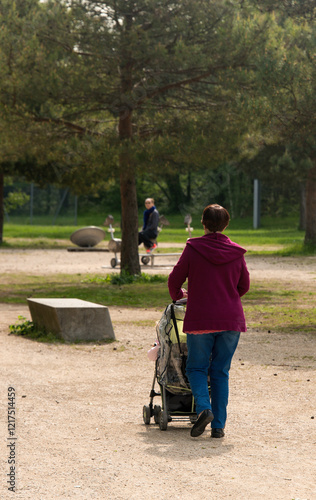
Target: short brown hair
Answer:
[[215, 218]]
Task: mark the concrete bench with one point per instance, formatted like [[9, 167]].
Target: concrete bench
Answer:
[[72, 319]]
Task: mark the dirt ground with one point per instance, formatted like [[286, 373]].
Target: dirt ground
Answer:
[[79, 427]]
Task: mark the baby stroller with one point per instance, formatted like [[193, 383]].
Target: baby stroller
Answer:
[[176, 396]]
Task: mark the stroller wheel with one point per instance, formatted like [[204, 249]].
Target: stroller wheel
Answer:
[[157, 410], [145, 260], [146, 415], [113, 262], [163, 420]]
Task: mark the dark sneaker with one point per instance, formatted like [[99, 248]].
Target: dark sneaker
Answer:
[[203, 420], [218, 433]]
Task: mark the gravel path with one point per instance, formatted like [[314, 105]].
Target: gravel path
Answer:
[[79, 427]]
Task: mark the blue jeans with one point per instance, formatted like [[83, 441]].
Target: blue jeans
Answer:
[[211, 353]]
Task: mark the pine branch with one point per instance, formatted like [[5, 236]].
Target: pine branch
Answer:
[[71, 126]]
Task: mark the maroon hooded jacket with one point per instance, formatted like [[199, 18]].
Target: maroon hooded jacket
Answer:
[[217, 278]]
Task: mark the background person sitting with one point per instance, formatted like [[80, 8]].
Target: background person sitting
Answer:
[[150, 226]]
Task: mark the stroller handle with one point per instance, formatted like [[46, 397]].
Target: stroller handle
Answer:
[[180, 301]]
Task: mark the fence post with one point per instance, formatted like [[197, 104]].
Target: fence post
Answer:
[[256, 203], [60, 205]]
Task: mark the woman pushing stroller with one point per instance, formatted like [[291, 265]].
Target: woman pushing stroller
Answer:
[[217, 277]]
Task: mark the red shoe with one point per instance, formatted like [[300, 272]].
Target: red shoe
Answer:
[[151, 249]]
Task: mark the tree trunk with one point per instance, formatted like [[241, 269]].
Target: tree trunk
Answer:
[[129, 249], [1, 206], [310, 235], [302, 223]]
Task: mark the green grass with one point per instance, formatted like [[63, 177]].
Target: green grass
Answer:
[[268, 306], [125, 278], [275, 236], [27, 329], [151, 293]]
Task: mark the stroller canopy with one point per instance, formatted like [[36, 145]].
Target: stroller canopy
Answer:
[[173, 349]]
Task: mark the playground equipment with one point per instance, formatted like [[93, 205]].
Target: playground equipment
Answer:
[[115, 243], [187, 221], [151, 257], [146, 258], [87, 237]]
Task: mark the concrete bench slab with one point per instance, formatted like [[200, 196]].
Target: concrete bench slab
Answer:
[[72, 319]]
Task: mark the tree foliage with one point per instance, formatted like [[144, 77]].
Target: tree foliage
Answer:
[[114, 77], [284, 104]]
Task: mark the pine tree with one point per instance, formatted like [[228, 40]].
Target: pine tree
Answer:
[[90, 80]]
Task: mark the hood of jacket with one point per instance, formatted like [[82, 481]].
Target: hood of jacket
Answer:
[[216, 248]]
